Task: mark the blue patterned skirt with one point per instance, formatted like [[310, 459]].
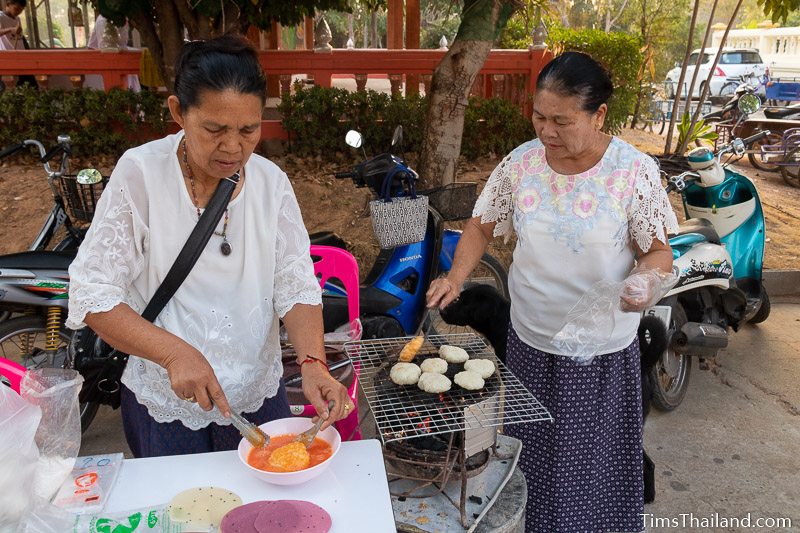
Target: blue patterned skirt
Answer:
[[584, 470]]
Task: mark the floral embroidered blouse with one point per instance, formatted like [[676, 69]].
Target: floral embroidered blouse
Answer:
[[228, 306], [573, 231]]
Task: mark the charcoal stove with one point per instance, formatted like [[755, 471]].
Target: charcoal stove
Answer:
[[433, 441]]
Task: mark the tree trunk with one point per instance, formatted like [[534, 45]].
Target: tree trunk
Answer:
[[374, 30], [450, 87]]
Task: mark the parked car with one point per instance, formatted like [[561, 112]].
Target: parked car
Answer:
[[735, 65]]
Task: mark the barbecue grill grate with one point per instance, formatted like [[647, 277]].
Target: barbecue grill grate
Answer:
[[403, 412]]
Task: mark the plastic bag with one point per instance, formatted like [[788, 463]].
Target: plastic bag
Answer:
[[153, 519], [590, 322], [55, 392], [18, 456]]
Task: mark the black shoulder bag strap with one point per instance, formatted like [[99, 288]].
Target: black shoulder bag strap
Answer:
[[103, 384], [194, 246]]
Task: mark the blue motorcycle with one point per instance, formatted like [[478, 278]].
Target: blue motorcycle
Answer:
[[393, 294], [718, 257]]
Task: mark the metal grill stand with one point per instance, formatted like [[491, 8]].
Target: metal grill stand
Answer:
[[463, 423]]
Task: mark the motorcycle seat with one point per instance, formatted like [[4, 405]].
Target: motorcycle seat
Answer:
[[327, 238], [701, 226], [782, 112], [38, 260]]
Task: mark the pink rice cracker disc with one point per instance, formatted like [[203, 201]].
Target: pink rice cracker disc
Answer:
[[284, 516]]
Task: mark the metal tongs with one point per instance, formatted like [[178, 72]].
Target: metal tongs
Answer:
[[251, 432], [307, 437]]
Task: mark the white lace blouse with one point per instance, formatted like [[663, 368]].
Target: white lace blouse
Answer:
[[228, 307], [573, 231]]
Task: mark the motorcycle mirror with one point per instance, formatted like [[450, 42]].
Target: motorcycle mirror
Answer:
[[397, 137], [749, 104], [89, 176], [353, 138]]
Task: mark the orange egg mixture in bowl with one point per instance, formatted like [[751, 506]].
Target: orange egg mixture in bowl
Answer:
[[283, 462]]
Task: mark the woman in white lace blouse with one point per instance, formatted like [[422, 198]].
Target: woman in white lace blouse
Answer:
[[217, 338], [585, 207]]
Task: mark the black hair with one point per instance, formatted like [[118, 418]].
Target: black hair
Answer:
[[20, 3], [577, 74], [218, 64]]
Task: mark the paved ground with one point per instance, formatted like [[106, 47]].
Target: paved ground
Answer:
[[731, 448]]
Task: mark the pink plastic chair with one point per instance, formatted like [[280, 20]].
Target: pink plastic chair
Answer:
[[13, 372], [337, 263]]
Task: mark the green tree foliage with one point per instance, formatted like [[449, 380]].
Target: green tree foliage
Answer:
[[620, 53], [161, 23]]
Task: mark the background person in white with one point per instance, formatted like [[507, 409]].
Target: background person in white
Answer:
[[95, 81], [217, 338], [586, 207]]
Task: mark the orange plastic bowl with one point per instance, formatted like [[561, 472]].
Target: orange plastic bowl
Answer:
[[294, 425]]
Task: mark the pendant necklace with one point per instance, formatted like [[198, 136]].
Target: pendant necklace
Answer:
[[225, 247]]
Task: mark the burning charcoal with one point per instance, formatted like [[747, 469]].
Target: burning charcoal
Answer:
[[476, 499]]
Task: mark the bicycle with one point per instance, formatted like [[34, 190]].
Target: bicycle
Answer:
[[650, 115], [74, 196], [34, 284]]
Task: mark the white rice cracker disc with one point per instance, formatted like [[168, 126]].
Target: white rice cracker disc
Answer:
[[453, 354], [202, 507], [469, 380], [484, 367], [434, 365], [405, 373], [434, 383]]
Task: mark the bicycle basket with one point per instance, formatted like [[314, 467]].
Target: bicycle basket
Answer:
[[79, 199], [454, 201], [724, 135]]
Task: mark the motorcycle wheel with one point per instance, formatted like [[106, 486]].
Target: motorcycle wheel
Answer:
[[763, 312], [488, 272], [671, 373], [755, 160], [22, 340], [790, 169]]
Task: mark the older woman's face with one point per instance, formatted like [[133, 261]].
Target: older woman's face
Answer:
[[222, 131], [565, 129]]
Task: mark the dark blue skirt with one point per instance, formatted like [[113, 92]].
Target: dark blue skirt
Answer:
[[148, 438], [584, 470]]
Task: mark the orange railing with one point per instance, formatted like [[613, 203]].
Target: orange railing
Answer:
[[510, 74]]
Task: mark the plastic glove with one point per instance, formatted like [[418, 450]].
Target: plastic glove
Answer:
[[644, 287]]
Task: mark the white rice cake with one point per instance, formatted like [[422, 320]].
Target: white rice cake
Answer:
[[405, 373], [453, 354], [469, 380], [434, 383], [202, 508], [484, 367], [434, 365]]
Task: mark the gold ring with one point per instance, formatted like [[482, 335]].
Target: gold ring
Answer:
[[346, 407], [190, 399]]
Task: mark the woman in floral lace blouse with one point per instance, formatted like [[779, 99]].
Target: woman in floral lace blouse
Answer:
[[585, 207], [217, 338]]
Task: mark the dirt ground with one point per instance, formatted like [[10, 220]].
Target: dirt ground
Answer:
[[337, 205]]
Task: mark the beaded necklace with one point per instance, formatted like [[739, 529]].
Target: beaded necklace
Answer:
[[225, 247]]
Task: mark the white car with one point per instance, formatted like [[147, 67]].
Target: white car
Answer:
[[735, 66]]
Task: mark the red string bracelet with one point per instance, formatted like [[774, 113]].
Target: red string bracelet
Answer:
[[312, 359]]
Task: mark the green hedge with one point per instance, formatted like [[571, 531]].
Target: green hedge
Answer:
[[619, 53], [317, 119], [99, 122]]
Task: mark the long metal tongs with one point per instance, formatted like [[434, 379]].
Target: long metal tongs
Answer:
[[251, 432]]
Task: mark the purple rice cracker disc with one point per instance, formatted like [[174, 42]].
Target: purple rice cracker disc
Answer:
[[284, 516]]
